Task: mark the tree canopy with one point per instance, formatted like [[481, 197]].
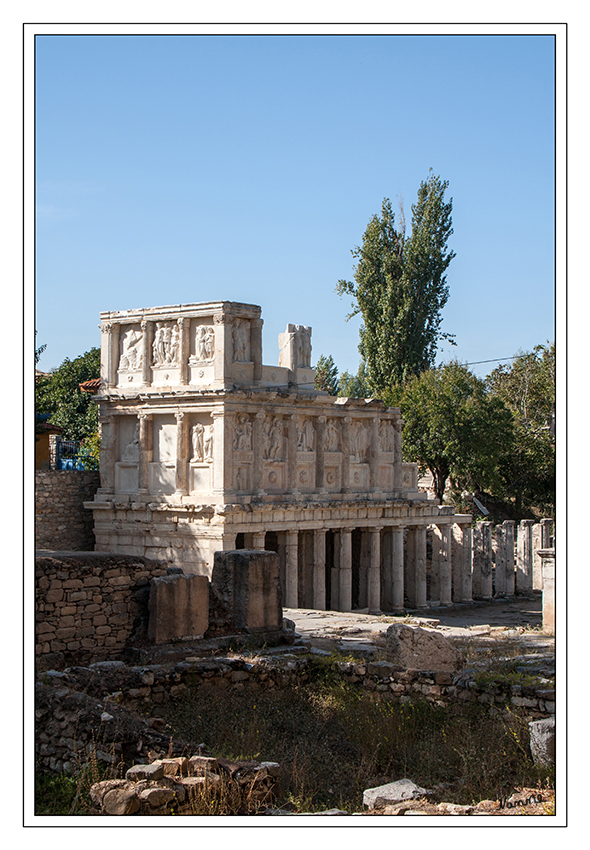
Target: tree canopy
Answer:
[[527, 388], [326, 375], [454, 427], [59, 395], [400, 287]]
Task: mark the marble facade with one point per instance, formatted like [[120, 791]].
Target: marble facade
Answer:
[[206, 449]]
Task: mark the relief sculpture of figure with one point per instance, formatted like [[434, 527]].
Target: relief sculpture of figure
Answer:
[[306, 437], [208, 444], [243, 434], [359, 441], [131, 451], [197, 440], [159, 345], [131, 350], [303, 341], [172, 352], [276, 439], [205, 344], [240, 336], [331, 437], [385, 437]]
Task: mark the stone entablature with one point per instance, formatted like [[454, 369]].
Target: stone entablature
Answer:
[[205, 449]]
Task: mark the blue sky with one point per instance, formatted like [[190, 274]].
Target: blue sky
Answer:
[[192, 168]]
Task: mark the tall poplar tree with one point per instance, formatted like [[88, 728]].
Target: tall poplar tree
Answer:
[[400, 287]]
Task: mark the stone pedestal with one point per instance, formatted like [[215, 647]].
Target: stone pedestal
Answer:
[[247, 584], [178, 608]]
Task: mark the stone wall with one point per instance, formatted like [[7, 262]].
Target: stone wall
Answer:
[[88, 606], [61, 520], [101, 709]]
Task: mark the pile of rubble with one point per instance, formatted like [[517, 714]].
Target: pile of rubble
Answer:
[[187, 786]]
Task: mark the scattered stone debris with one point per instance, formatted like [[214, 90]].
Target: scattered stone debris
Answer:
[[175, 785]]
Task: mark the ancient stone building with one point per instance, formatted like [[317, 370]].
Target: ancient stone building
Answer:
[[204, 448]]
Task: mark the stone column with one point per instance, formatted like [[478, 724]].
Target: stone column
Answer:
[[319, 453], [291, 572], [345, 435], [319, 569], [499, 547], [223, 347], [444, 565], [416, 567], [107, 453], [256, 348], [181, 454], [374, 578], [257, 453], [145, 450], [345, 573], [221, 453], [548, 561], [292, 433], [109, 356], [183, 349], [508, 527], [462, 586], [374, 456], [482, 561], [546, 529], [397, 569], [524, 561], [435, 566], [146, 351], [258, 538], [397, 455]]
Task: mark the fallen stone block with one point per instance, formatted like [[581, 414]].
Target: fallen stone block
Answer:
[[393, 792], [178, 607], [421, 649], [542, 741]]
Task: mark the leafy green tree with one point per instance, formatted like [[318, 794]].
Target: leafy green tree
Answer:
[[400, 287], [527, 388], [454, 427], [326, 375], [59, 395], [354, 386]]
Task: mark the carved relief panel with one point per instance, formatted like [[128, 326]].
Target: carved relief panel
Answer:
[[201, 454], [162, 468], [130, 348], [127, 464], [165, 351], [241, 341], [274, 441], [242, 453], [202, 352]]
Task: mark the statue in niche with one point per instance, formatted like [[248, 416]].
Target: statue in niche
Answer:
[[306, 437], [243, 434], [385, 437], [331, 439], [208, 444], [165, 345], [131, 451], [172, 353], [240, 337], [205, 344], [276, 439], [131, 357], [197, 434], [272, 435], [359, 441], [303, 342]]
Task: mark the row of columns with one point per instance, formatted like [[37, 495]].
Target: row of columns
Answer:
[[391, 576]]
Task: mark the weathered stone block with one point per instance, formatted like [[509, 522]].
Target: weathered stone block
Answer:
[[393, 792], [178, 607], [247, 584], [542, 741], [421, 649]]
